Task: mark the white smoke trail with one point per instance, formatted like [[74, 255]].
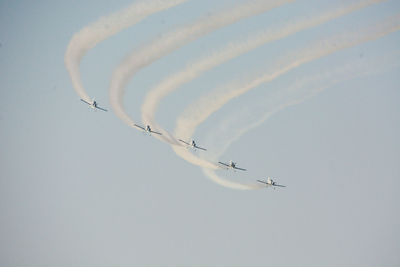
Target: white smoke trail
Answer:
[[171, 83], [199, 111], [105, 27], [202, 109], [184, 153], [230, 130], [229, 184], [172, 41], [227, 132]]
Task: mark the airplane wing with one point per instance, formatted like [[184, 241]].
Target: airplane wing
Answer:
[[200, 148], [103, 109], [85, 101], [184, 142], [139, 127], [223, 164], [267, 184], [156, 132], [239, 169]]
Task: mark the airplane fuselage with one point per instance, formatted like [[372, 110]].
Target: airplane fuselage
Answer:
[[231, 165], [93, 104], [270, 182]]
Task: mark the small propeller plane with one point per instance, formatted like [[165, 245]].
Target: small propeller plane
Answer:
[[147, 129], [94, 105], [231, 165], [270, 182], [192, 144]]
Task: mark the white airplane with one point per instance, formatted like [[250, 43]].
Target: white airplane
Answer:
[[192, 144], [270, 182], [93, 105], [231, 165], [147, 129]]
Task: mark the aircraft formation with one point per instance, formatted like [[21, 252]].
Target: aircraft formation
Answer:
[[191, 144]]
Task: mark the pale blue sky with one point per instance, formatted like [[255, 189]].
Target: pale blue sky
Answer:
[[80, 188]]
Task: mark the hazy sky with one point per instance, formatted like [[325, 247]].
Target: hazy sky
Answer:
[[81, 188]]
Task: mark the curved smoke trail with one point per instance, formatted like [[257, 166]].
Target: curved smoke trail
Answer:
[[198, 112], [232, 50], [239, 123], [228, 132], [172, 41], [105, 27]]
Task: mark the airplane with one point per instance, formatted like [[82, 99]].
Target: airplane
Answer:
[[192, 144], [93, 105], [270, 182], [147, 129], [231, 165]]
